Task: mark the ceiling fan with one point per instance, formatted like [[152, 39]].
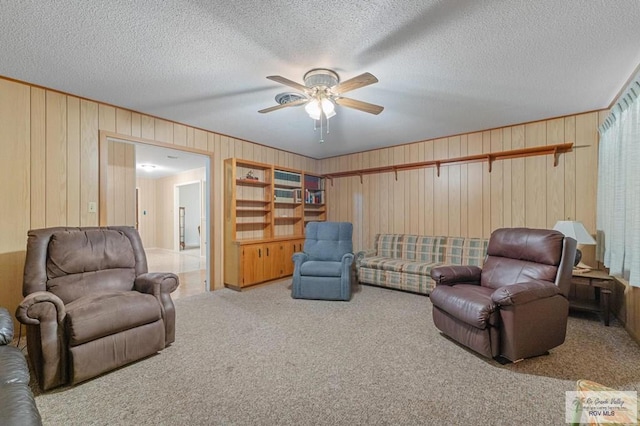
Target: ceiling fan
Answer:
[[321, 91]]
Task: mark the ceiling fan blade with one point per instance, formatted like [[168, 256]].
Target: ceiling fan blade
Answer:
[[288, 82], [362, 106], [354, 83], [288, 104]]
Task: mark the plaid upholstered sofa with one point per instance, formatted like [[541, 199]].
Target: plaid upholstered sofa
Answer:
[[404, 261]]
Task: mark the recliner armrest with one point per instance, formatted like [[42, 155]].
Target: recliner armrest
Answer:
[[347, 259], [456, 274], [28, 312], [156, 283], [299, 258], [521, 293]]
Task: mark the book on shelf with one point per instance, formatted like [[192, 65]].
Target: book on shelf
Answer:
[[283, 195], [313, 197], [313, 182], [286, 178]]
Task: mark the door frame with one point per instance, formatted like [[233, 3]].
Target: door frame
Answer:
[[103, 154]]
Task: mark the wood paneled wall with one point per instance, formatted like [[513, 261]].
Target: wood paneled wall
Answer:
[[49, 167], [467, 200], [121, 184]]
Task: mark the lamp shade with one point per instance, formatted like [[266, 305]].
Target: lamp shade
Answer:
[[318, 106], [575, 230]]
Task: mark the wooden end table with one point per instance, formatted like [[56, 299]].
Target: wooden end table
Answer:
[[602, 282]]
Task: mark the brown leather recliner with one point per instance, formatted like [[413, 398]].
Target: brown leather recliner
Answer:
[[90, 305], [515, 306]]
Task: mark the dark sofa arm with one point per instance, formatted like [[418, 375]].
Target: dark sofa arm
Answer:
[[6, 327], [456, 274], [521, 293]]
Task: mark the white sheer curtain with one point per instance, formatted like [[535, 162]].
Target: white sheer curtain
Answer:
[[618, 214]]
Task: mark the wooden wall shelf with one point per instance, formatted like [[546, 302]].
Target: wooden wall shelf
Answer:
[[490, 157]]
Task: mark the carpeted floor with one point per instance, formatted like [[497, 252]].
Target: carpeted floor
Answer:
[[261, 358]]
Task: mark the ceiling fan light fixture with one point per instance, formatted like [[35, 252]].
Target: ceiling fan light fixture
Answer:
[[317, 106], [328, 107], [313, 109], [321, 92]]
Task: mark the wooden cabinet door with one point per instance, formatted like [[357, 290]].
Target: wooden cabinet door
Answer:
[[273, 266], [253, 256]]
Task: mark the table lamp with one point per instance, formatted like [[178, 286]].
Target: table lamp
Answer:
[[577, 231]]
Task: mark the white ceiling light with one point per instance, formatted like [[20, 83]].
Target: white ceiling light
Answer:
[[147, 167], [318, 106]]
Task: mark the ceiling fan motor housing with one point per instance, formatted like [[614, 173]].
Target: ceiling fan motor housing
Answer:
[[321, 77]]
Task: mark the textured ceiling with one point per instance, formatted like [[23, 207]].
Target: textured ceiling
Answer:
[[445, 67]]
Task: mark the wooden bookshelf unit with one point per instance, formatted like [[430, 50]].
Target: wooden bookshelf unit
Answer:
[[266, 208]]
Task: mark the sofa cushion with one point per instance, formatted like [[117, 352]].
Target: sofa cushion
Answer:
[[383, 263], [453, 250], [469, 303], [409, 282], [474, 251], [419, 268], [321, 269], [430, 249], [397, 246], [102, 314]]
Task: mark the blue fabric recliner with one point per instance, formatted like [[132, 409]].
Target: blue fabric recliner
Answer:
[[323, 270]]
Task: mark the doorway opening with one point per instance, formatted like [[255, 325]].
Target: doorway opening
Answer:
[[148, 185]]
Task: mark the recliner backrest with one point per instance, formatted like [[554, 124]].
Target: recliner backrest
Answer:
[[81, 263], [74, 262], [328, 241], [517, 255]]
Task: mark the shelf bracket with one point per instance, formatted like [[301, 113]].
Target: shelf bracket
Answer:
[[490, 161], [556, 156], [396, 173], [438, 168], [330, 178], [360, 174]]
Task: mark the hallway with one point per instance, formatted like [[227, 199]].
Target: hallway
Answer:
[[187, 264]]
